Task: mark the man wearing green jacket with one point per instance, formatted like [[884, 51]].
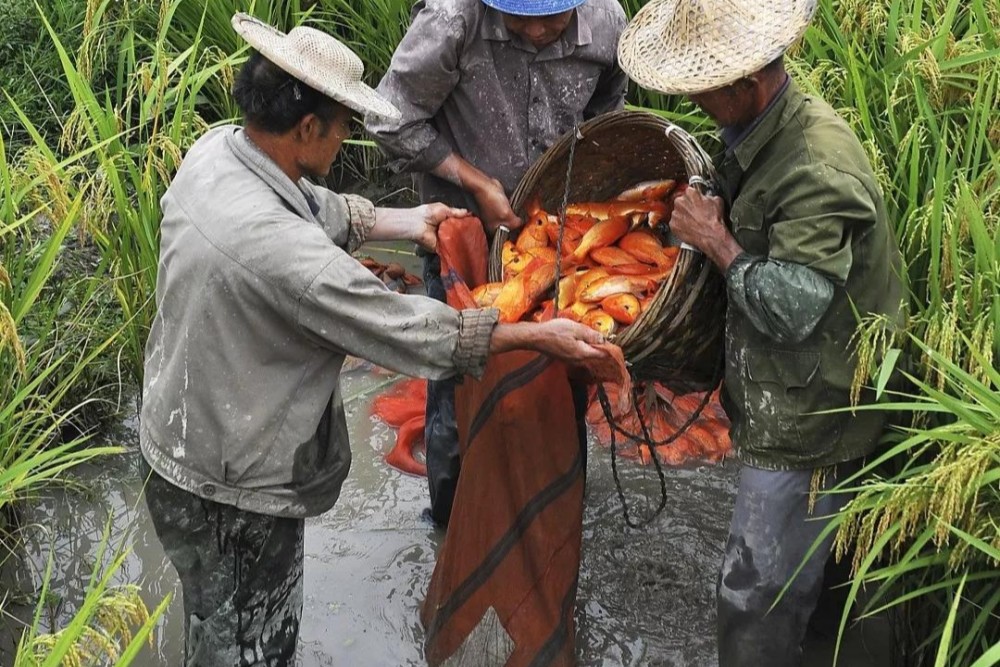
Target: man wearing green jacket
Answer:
[[801, 234]]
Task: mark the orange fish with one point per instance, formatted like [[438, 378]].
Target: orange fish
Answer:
[[569, 234], [601, 289], [566, 293], [577, 311], [522, 292], [518, 263], [601, 235], [648, 190], [589, 277], [578, 223], [611, 256], [614, 209], [486, 294], [623, 307], [636, 269], [600, 321], [642, 245], [532, 235], [544, 252]]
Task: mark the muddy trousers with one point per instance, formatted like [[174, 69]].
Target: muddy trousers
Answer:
[[441, 429], [771, 532], [241, 578]]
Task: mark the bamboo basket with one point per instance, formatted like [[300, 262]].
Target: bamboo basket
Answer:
[[678, 340]]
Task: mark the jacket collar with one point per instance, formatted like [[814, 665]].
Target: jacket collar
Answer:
[[258, 162], [577, 33], [772, 121]]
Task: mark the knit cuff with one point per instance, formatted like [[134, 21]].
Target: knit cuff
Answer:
[[474, 335], [362, 220]]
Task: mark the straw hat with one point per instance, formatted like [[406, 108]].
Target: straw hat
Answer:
[[316, 59], [683, 47], [533, 7]]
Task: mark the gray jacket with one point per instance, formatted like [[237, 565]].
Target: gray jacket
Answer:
[[258, 302], [466, 84]]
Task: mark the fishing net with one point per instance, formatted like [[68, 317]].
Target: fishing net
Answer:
[[504, 587], [402, 408]]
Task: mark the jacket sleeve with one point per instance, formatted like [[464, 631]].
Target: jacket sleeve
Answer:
[[348, 309], [784, 301], [612, 84], [423, 72], [609, 94], [818, 210], [346, 219]]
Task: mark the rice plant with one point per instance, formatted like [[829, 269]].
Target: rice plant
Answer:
[[110, 628]]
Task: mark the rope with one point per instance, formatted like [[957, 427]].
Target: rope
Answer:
[[645, 437]]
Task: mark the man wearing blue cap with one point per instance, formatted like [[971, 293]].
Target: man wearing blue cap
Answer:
[[485, 87]]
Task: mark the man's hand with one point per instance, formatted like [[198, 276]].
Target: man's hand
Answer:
[[430, 217], [698, 220], [494, 206], [558, 338]]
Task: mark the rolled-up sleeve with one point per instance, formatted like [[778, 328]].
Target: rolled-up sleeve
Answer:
[[348, 309], [346, 219], [784, 301], [423, 72]]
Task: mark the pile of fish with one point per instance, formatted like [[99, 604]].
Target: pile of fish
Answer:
[[612, 260], [392, 274], [663, 413]]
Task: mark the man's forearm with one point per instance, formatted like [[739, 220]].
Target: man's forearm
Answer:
[[457, 170], [396, 224]]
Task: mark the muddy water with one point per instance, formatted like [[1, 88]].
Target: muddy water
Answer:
[[645, 597]]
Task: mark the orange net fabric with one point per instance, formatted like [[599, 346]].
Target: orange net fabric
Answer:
[[402, 407], [504, 587], [664, 413]]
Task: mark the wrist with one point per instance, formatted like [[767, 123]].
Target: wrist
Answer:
[[723, 249], [513, 336]]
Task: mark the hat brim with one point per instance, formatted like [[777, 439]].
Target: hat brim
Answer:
[[273, 45], [671, 47], [533, 7]]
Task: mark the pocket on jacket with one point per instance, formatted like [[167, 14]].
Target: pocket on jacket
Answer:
[[785, 388], [747, 222]]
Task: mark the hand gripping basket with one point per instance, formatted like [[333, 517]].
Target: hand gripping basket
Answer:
[[678, 340]]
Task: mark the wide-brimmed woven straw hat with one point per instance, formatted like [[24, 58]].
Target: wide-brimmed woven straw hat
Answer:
[[682, 47], [318, 60], [533, 7]]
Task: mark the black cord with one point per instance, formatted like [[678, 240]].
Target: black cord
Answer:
[[645, 437]]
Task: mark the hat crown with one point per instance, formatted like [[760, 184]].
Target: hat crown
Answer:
[[332, 56], [690, 46], [318, 60]]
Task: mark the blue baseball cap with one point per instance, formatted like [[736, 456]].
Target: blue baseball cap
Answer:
[[533, 7]]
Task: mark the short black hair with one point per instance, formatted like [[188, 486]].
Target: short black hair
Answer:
[[274, 101]]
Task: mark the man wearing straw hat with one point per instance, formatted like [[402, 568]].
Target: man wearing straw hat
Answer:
[[258, 302], [485, 87], [801, 234]]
